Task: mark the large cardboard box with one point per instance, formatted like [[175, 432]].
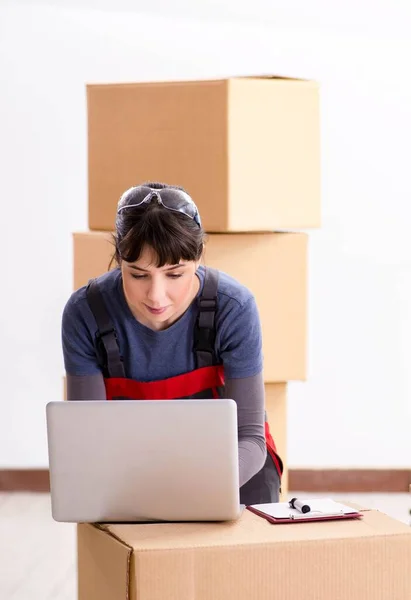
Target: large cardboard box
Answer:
[[250, 559], [246, 149], [272, 265]]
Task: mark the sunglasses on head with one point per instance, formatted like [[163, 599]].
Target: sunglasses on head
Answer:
[[170, 198]]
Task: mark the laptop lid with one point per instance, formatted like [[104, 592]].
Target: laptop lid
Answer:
[[139, 461]]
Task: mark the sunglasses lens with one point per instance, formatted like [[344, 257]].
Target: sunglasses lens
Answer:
[[134, 196], [178, 200]]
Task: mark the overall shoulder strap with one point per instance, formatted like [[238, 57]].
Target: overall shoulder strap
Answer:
[[204, 333], [106, 335]]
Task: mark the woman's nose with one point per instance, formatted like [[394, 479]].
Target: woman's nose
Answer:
[[155, 292]]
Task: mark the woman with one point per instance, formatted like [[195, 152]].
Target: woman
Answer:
[[161, 326]]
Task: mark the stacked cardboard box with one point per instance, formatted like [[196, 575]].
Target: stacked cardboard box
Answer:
[[247, 149]]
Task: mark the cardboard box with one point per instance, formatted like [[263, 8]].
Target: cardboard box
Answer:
[[92, 256], [272, 265], [246, 149], [366, 559]]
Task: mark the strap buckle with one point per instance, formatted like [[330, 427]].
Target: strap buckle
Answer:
[[207, 304], [110, 330]]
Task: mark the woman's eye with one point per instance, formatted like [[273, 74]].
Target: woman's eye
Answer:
[[170, 276]]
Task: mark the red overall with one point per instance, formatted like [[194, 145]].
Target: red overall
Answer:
[[206, 381]]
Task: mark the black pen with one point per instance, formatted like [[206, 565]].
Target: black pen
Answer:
[[299, 505]]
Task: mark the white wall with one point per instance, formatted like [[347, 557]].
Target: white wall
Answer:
[[355, 410]]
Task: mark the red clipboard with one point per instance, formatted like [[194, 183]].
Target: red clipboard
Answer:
[[303, 519]]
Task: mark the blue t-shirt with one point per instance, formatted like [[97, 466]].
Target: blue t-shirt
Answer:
[[153, 355]]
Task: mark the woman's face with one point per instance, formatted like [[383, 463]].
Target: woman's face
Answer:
[[158, 296]]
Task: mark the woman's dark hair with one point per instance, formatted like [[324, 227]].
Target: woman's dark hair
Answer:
[[172, 235]]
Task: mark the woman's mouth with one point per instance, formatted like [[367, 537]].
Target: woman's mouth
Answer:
[[156, 311]]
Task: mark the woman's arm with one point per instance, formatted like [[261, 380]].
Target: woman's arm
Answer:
[[84, 377], [248, 392], [240, 340], [86, 387]]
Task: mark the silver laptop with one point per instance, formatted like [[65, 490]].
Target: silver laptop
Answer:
[[143, 461]]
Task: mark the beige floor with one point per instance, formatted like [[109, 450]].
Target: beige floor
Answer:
[[37, 555]]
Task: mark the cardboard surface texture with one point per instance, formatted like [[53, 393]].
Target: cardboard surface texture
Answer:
[[272, 265], [250, 559], [246, 149]]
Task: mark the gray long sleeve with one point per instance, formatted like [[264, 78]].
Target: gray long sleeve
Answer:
[[248, 393], [86, 387]]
